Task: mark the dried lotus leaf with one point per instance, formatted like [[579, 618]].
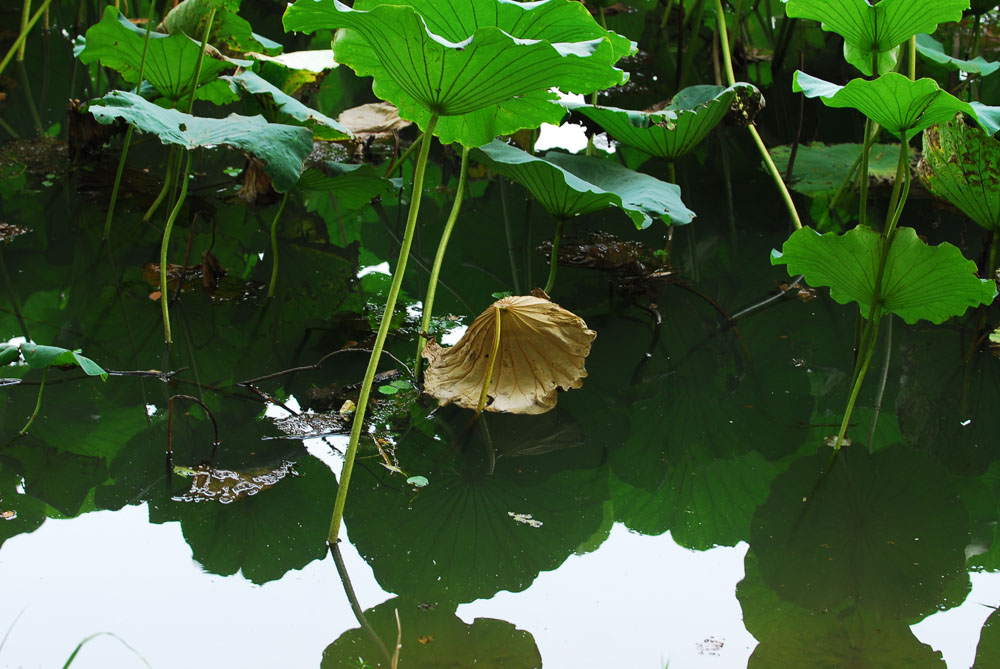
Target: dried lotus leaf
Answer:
[[542, 348]]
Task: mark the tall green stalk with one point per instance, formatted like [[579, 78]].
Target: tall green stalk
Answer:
[[274, 246], [164, 245], [168, 228], [554, 258], [25, 30], [383, 331], [128, 133], [456, 206], [765, 155]]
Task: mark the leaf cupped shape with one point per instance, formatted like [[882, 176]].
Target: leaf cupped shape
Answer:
[[542, 348], [961, 164], [919, 282], [485, 66]]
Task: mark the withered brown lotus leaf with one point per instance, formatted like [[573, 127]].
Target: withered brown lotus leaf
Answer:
[[542, 348]]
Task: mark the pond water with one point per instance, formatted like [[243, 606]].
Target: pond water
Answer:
[[682, 508]]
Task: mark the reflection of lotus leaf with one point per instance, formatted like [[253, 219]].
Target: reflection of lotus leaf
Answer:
[[845, 636], [465, 536], [434, 637], [886, 530], [542, 348], [988, 651]]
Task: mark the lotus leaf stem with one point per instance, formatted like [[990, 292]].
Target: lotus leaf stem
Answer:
[[554, 259], [274, 245], [456, 207], [383, 331], [38, 405], [131, 129], [510, 237], [359, 613], [866, 148], [165, 244], [497, 320], [765, 155], [25, 12], [25, 30], [913, 58], [398, 163], [168, 179], [882, 382]]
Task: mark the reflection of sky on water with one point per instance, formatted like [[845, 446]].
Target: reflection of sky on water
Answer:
[[635, 602]]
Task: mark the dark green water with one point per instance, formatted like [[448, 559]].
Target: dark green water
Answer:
[[681, 507]]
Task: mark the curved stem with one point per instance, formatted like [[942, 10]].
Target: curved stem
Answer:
[[164, 245], [201, 59], [861, 368], [396, 164], [128, 133], [38, 405], [510, 237], [456, 206], [764, 154], [493, 359], [167, 183], [383, 331], [359, 613], [274, 245], [882, 383], [554, 259]]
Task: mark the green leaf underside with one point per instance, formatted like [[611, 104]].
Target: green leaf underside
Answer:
[[919, 281], [569, 185], [281, 148], [895, 102], [485, 67], [820, 168], [40, 357], [932, 50], [869, 30], [675, 130], [323, 126], [961, 164], [170, 61], [354, 186]]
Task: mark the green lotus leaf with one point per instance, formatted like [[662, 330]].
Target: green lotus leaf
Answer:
[[40, 357], [932, 50], [886, 531], [919, 281], [485, 67], [871, 32], [281, 148], [354, 186], [820, 168], [323, 126], [569, 185], [493, 643], [170, 61], [230, 32], [961, 164], [988, 650], [673, 131], [895, 102]]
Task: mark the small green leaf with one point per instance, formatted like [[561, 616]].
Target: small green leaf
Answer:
[[418, 481], [388, 390], [895, 102], [874, 31], [961, 164], [40, 357], [485, 67], [932, 50], [569, 185], [677, 128], [281, 148], [919, 281]]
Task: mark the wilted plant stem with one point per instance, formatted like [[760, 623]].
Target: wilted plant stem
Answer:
[[128, 133], [765, 155], [383, 331], [456, 207], [274, 245]]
